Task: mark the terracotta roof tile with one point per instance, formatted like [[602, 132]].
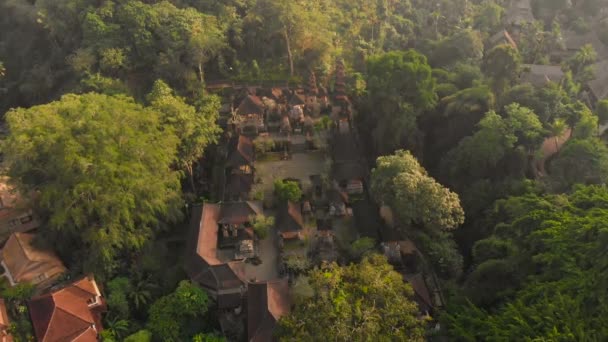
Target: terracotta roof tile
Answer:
[[239, 212], [251, 104], [241, 152], [65, 315], [290, 218], [267, 302], [25, 263], [207, 237]]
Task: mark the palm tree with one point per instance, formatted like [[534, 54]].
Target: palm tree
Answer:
[[116, 328], [557, 128], [585, 56], [142, 291]]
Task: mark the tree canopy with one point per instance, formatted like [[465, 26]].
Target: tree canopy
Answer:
[[101, 165], [400, 88], [541, 274], [358, 302], [417, 199]]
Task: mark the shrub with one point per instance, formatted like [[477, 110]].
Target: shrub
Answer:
[[287, 190], [261, 225], [263, 145]]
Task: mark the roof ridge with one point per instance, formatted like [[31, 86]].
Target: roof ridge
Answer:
[[69, 313], [82, 333]]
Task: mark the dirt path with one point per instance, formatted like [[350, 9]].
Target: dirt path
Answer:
[[549, 148]]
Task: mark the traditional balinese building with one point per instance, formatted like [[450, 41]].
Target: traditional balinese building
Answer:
[[72, 313], [23, 262], [16, 214], [220, 235], [539, 75], [290, 222], [241, 155], [267, 302], [249, 118]]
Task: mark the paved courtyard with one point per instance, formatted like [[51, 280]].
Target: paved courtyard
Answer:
[[269, 255], [301, 166]]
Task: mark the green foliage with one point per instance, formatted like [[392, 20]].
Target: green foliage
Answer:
[[208, 338], [171, 317], [357, 302], [18, 293], [465, 75], [400, 88], [465, 45], [580, 64], [196, 127], [103, 85], [488, 16], [297, 264], [416, 198], [287, 190], [263, 145], [502, 64], [602, 111], [114, 329], [16, 297], [555, 278], [140, 336], [361, 247], [478, 156], [442, 252], [580, 161], [262, 225], [102, 167], [118, 291]]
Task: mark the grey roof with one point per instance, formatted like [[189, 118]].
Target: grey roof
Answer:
[[502, 37], [290, 218], [519, 12], [574, 41], [539, 75], [599, 86], [239, 212], [241, 152]]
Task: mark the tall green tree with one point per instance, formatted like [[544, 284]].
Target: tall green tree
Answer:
[[101, 165], [197, 128], [359, 302], [478, 156], [502, 63], [302, 26], [416, 198], [580, 161], [545, 268], [400, 88]]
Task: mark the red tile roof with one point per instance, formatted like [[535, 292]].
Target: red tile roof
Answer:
[[267, 302], [68, 314], [290, 219], [251, 105], [4, 323], [239, 212], [203, 263], [207, 237], [241, 152]]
